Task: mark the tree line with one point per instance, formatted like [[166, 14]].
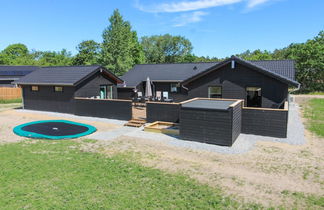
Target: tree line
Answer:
[[121, 49]]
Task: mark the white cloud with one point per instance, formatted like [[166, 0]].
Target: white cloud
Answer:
[[254, 3], [195, 6], [187, 18], [184, 6]]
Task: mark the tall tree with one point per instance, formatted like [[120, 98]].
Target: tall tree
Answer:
[[52, 58], [309, 57], [166, 48], [120, 47], [88, 53], [16, 54], [256, 55]]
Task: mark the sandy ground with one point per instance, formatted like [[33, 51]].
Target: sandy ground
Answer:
[[10, 117], [301, 99], [271, 173]]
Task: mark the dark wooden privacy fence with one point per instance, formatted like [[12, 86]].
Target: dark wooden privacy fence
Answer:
[[160, 111], [265, 122], [104, 108]]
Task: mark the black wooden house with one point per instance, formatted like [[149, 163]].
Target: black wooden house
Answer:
[[54, 88], [10, 74], [259, 83]]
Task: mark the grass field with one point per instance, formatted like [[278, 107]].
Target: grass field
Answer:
[[9, 101], [314, 112], [316, 93], [58, 175]]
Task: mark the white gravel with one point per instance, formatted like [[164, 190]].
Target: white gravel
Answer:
[[57, 114], [109, 135], [243, 143]]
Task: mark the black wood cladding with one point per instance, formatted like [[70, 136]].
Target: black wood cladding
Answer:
[[237, 121], [45, 99], [113, 109], [162, 112], [265, 122], [220, 127]]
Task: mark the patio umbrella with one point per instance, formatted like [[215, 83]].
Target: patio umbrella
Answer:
[[148, 90]]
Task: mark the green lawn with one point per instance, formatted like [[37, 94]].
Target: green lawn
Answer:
[[58, 175], [9, 101], [314, 111], [316, 93]]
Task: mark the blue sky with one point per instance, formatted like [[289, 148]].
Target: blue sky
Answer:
[[215, 27]]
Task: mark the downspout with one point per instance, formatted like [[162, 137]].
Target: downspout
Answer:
[[185, 87], [22, 97], [296, 89]]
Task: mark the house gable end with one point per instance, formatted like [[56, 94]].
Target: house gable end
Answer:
[[233, 60]]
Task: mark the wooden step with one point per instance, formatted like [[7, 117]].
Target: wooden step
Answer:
[[138, 120], [135, 123]]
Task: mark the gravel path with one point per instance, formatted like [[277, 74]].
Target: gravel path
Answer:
[[109, 135], [62, 115], [244, 142]]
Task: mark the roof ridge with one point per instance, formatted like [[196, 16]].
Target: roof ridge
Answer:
[[70, 66], [177, 63], [273, 60], [20, 65]]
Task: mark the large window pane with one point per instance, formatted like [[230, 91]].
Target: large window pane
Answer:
[[253, 97], [215, 92], [174, 87], [58, 89]]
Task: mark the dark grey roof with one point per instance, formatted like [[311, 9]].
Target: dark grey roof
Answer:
[[283, 67], [208, 104], [61, 75], [17, 70], [183, 71], [163, 72], [249, 64]]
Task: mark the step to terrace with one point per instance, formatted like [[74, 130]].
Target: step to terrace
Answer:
[[135, 123]]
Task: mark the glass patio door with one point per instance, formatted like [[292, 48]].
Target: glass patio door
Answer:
[[106, 92], [103, 91]]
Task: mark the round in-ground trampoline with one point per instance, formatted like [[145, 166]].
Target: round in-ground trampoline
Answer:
[[53, 129]]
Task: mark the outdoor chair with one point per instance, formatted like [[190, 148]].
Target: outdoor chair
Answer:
[[166, 97], [158, 96], [138, 98]]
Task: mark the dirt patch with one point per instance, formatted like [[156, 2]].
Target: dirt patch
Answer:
[[302, 99], [271, 173], [261, 175], [268, 174], [10, 118]]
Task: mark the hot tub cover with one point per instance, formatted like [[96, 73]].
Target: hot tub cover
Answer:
[[53, 129], [208, 104]]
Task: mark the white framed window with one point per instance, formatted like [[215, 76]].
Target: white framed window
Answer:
[[215, 92], [174, 87], [34, 88], [58, 89]]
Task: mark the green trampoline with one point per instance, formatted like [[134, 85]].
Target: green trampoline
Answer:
[[54, 129]]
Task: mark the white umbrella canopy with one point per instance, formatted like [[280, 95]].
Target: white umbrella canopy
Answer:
[[148, 89]]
